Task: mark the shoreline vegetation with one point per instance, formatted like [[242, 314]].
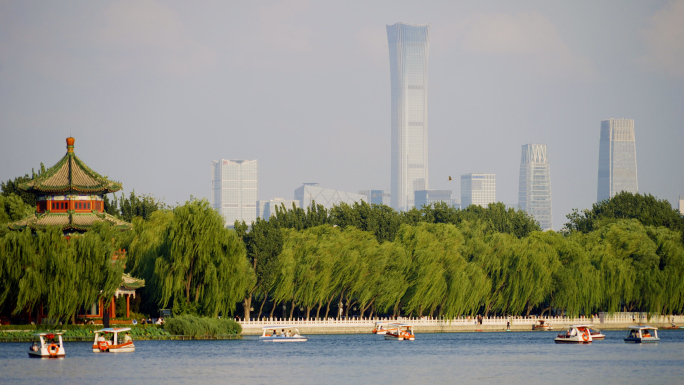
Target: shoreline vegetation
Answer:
[[182, 327], [626, 254]]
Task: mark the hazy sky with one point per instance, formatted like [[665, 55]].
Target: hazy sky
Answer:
[[153, 91]]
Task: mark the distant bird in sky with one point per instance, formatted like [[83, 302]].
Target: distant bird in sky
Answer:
[[449, 177]]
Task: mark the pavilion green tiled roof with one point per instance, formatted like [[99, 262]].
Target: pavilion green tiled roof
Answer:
[[68, 221], [128, 282], [70, 175]]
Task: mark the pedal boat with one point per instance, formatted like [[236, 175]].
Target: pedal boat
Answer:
[[281, 333], [47, 345], [576, 334], [542, 325], [641, 334], [400, 332], [111, 340], [596, 335], [381, 327]]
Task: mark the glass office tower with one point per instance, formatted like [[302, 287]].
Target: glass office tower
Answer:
[[534, 193], [408, 50], [617, 159], [478, 189], [235, 190]]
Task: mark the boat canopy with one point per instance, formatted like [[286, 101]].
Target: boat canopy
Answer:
[[113, 330], [279, 327], [639, 327], [47, 334]]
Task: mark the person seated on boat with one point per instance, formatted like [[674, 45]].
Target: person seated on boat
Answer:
[[34, 347], [127, 338], [647, 334], [289, 333], [282, 333]]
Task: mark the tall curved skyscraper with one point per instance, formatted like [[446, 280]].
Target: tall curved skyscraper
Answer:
[[617, 159], [534, 193], [408, 50]]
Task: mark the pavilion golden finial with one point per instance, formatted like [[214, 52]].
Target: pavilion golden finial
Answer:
[[70, 144]]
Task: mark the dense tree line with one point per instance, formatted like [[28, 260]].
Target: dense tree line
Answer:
[[366, 260]]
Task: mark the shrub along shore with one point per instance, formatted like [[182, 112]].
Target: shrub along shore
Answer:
[[183, 327]]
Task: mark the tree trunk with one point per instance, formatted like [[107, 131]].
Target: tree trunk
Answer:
[[308, 311], [318, 312], [247, 304], [349, 305], [327, 309], [275, 303], [261, 308], [529, 309], [292, 309]]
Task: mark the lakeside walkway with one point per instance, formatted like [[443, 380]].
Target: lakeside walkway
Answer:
[[615, 321]]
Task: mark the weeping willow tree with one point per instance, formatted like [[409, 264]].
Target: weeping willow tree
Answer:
[[58, 274], [201, 266], [392, 284]]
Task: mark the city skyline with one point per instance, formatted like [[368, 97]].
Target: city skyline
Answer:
[[305, 88], [409, 49]]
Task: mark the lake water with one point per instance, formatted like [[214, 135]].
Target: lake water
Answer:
[[445, 358]]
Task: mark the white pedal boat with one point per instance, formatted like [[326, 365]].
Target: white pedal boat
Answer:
[[640, 334], [576, 334], [47, 345], [111, 340], [281, 333], [400, 332]]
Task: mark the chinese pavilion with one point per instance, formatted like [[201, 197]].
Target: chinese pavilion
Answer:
[[71, 195]]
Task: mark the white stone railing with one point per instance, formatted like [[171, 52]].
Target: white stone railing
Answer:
[[615, 318]]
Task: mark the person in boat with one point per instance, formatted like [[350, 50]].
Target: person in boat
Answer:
[[34, 347], [289, 333], [647, 334], [282, 333], [127, 338]]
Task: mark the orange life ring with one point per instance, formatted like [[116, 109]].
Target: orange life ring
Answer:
[[103, 345], [52, 352], [585, 336]]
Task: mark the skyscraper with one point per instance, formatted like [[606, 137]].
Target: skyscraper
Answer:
[[408, 50], [478, 189], [534, 193], [235, 190], [617, 158]]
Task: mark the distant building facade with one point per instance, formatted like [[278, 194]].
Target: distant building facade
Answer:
[[235, 190], [268, 208], [376, 197], [534, 192], [478, 189], [310, 192], [617, 159], [408, 50], [428, 197]]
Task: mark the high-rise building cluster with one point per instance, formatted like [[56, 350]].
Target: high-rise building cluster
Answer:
[[235, 187]]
